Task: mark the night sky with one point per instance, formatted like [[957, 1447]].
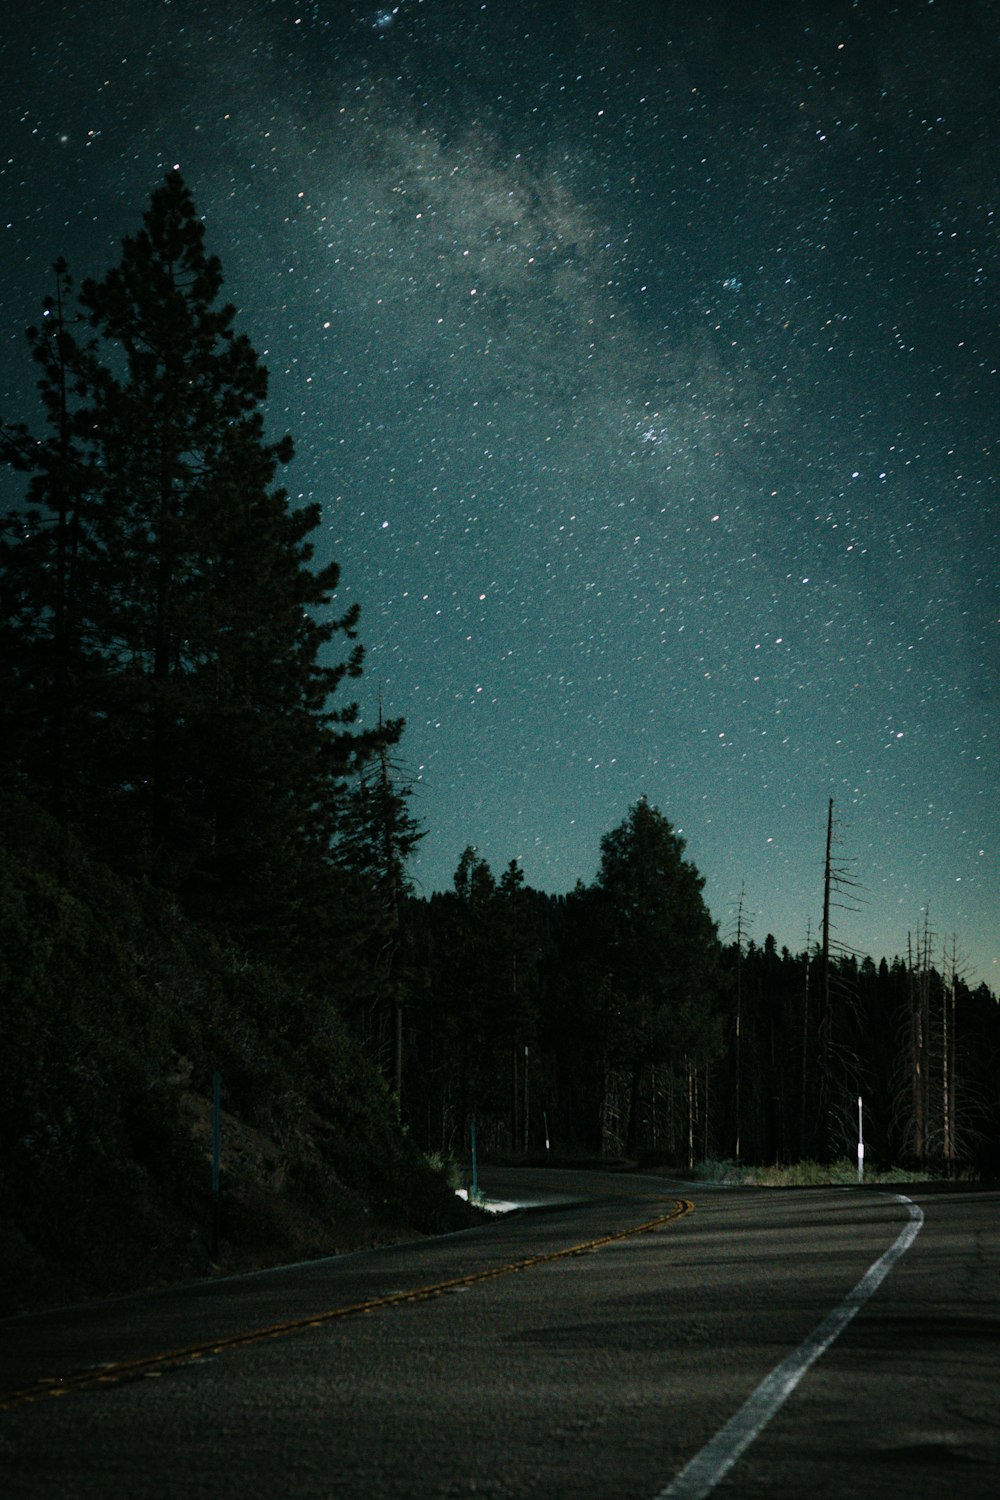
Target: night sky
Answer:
[[643, 359]]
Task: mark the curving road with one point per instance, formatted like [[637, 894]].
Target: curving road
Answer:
[[622, 1336]]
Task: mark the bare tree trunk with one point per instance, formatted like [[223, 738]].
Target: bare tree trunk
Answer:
[[953, 1054], [917, 1045], [948, 1050], [925, 1032], [739, 1024], [803, 1103], [823, 1029], [946, 1092]]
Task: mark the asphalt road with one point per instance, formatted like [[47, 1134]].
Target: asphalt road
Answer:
[[590, 1346]]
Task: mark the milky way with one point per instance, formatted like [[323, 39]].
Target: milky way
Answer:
[[643, 363]]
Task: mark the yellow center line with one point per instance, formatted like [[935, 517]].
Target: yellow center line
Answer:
[[155, 1364]]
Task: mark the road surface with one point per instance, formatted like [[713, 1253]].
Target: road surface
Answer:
[[617, 1338]]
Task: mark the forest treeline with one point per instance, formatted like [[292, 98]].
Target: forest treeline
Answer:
[[585, 1024], [206, 854]]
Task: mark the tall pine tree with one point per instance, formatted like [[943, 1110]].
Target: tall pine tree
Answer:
[[182, 714], [660, 950]]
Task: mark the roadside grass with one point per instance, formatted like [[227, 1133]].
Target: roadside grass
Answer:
[[798, 1174], [446, 1166]]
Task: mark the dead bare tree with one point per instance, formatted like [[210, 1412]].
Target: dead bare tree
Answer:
[[840, 893], [804, 1089], [919, 949], [740, 934]]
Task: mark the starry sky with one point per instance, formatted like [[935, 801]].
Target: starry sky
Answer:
[[643, 359]]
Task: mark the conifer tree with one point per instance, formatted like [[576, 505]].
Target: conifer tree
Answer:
[[377, 834], [661, 948], [171, 585]]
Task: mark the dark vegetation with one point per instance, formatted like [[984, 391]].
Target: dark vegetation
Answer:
[[204, 871], [613, 1023], [117, 1010]]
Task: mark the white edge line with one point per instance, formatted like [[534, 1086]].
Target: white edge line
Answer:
[[703, 1472]]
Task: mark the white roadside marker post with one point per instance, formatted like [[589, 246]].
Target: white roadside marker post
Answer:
[[861, 1145]]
